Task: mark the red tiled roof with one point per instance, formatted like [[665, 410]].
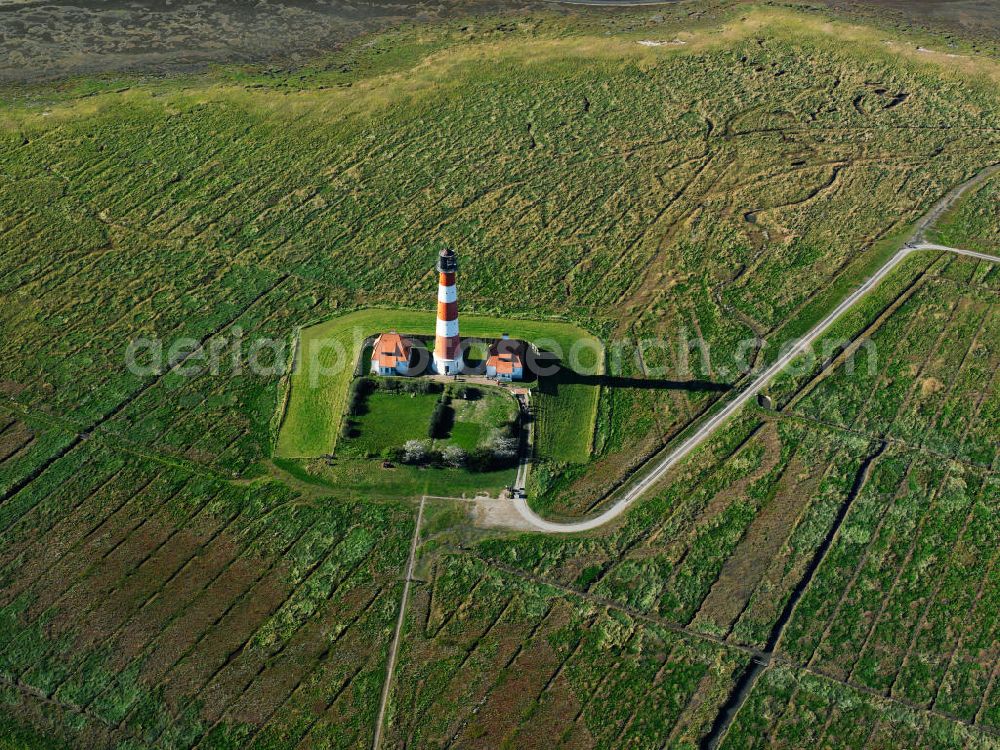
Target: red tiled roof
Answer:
[[391, 349], [505, 356]]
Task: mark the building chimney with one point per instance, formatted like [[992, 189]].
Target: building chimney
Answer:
[[447, 350]]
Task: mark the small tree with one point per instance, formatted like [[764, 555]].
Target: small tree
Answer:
[[454, 456], [505, 449], [414, 451]]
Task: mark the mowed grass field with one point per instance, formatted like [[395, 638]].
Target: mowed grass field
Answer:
[[164, 584], [390, 420], [328, 353]]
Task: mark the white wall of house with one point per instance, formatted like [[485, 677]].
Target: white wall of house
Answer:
[[517, 374], [401, 369]]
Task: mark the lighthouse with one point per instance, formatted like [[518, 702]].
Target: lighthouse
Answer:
[[447, 352]]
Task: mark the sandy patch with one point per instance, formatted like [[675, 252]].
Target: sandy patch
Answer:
[[930, 386], [496, 513]]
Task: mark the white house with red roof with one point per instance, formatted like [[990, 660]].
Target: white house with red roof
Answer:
[[391, 355], [506, 360]]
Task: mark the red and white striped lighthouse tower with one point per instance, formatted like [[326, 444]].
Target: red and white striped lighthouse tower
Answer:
[[447, 349]]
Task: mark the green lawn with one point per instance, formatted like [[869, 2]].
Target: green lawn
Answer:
[[475, 353], [390, 419], [466, 435], [475, 419], [564, 410], [328, 353]]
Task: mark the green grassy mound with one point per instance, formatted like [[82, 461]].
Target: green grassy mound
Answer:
[[328, 353]]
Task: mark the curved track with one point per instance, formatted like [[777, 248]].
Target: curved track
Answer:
[[719, 418]]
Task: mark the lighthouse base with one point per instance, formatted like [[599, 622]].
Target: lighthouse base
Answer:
[[447, 366]]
